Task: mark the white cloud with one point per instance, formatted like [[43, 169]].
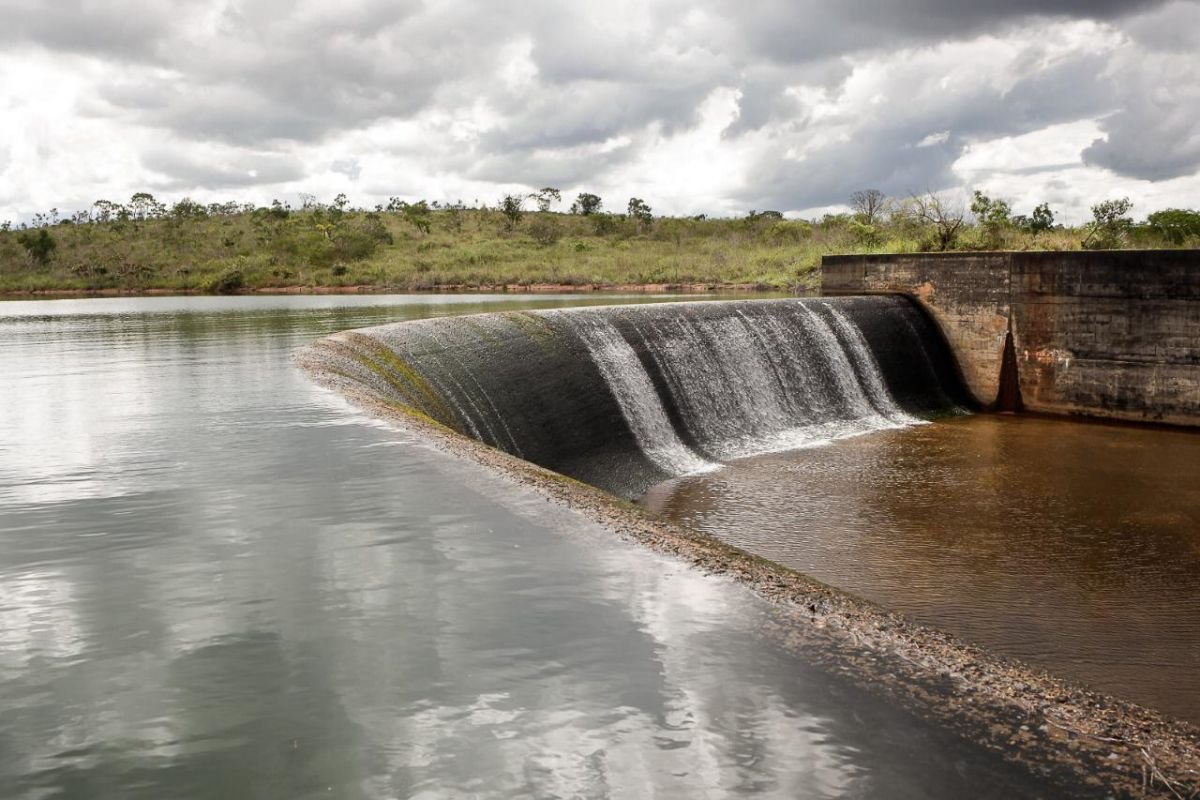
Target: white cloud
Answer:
[[695, 107]]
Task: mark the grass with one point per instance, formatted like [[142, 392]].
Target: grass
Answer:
[[229, 249]]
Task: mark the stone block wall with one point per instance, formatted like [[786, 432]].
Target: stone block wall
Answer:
[[1112, 334]]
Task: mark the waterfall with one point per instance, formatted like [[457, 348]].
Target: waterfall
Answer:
[[640, 404], [868, 370], [618, 396], [744, 384]]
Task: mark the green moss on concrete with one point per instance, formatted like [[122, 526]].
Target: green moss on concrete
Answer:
[[401, 376]]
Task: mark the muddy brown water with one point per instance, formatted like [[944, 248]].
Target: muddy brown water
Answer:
[[1072, 546]]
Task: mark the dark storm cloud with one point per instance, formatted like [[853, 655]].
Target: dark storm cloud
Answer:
[[897, 170], [1176, 28], [265, 71], [121, 30], [572, 91], [1151, 138], [547, 167], [787, 31], [886, 151], [1155, 133], [272, 70]]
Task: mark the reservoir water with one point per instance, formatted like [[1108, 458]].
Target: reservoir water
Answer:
[[1073, 546], [217, 580]]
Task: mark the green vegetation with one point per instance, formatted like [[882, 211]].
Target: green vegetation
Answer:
[[225, 248]]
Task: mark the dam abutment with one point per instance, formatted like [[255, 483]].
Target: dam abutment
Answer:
[[1108, 334]]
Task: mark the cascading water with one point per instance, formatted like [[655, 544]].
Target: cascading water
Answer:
[[749, 384], [623, 396], [640, 404]]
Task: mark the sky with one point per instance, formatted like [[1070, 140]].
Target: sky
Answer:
[[708, 106]]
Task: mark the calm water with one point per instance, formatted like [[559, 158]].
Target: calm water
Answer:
[[1069, 545], [219, 581]]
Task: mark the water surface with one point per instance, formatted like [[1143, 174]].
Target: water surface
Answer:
[[217, 580], [1073, 546]]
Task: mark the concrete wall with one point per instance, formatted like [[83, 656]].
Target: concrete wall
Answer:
[[1113, 334]]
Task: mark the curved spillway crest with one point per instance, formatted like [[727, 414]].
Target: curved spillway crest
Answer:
[[625, 396]]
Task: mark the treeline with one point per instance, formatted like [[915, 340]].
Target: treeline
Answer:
[[940, 222], [224, 247]]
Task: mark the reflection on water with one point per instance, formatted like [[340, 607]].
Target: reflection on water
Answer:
[[1072, 546], [219, 581]]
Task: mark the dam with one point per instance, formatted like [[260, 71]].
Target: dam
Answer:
[[623, 397], [838, 437]]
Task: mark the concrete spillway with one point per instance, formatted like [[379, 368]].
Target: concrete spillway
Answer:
[[624, 396]]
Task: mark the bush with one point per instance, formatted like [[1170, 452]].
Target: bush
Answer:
[[793, 231], [1175, 225], [604, 224], [231, 281], [1109, 226], [40, 245], [864, 234], [545, 232], [359, 240], [510, 207]]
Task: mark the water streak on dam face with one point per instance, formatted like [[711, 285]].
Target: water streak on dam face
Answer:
[[624, 396], [635, 394]]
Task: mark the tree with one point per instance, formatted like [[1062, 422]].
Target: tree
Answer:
[[1041, 220], [868, 205], [544, 197], [143, 206], [639, 211], [510, 207], [586, 204], [39, 245], [188, 209], [416, 214], [1176, 225], [942, 214], [1110, 223], [994, 216], [104, 210]]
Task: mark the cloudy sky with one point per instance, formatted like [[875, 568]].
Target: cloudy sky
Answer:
[[715, 106]]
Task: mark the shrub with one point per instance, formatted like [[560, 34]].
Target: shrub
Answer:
[[994, 217], [230, 281], [1109, 225], [1176, 225], [40, 245], [510, 207], [604, 224], [545, 231]]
